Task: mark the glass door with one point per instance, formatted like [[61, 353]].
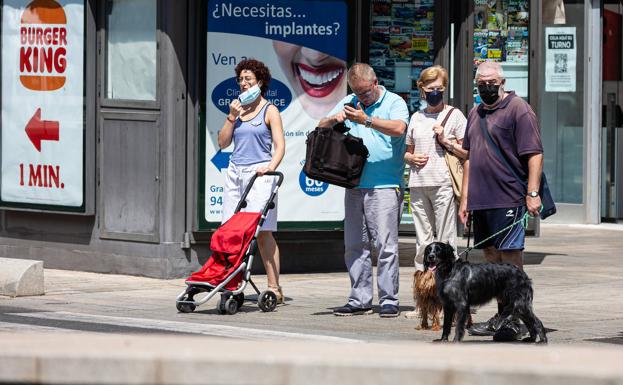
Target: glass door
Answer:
[[561, 97]]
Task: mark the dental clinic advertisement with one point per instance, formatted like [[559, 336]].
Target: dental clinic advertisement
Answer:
[[304, 44]]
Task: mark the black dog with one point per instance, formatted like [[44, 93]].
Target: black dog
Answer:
[[461, 284]]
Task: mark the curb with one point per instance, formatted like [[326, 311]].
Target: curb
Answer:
[[84, 358]]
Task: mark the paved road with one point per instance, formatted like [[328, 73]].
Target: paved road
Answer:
[[576, 270]]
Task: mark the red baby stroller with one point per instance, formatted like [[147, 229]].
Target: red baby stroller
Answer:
[[228, 270]]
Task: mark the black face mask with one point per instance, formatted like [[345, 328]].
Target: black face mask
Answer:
[[489, 93], [433, 98]]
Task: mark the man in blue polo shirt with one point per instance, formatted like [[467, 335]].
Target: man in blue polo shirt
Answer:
[[373, 209]]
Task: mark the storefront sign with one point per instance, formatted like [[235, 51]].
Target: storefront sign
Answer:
[[560, 59], [42, 103], [305, 47]]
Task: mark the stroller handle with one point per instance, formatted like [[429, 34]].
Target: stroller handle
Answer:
[[269, 173], [243, 199]]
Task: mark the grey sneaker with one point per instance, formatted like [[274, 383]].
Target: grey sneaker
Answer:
[[484, 328], [348, 310]]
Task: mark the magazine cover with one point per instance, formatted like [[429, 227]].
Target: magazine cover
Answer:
[[518, 13], [517, 45], [480, 14], [495, 49], [496, 14], [481, 42]]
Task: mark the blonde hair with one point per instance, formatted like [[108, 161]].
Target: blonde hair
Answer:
[[431, 74]]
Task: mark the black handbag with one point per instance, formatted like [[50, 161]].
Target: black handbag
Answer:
[[549, 207], [334, 156]]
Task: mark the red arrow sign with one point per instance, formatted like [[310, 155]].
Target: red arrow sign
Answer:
[[38, 130]]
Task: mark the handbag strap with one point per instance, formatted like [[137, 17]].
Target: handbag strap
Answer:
[[445, 119], [487, 135], [443, 124]]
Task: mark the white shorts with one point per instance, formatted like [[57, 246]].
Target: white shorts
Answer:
[[236, 181]]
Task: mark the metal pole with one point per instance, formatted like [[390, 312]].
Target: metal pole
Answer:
[[611, 156]]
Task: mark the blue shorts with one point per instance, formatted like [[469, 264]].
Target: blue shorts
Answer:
[[489, 222]]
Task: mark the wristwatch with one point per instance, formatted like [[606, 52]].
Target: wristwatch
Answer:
[[533, 194], [368, 122]]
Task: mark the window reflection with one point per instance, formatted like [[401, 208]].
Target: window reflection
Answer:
[[131, 55]]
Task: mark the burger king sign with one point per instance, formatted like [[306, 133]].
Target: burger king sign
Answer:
[[42, 103]]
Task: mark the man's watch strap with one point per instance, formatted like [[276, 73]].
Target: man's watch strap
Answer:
[[533, 194], [368, 122]]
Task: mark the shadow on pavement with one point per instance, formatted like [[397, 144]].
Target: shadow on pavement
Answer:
[[618, 340], [375, 311]]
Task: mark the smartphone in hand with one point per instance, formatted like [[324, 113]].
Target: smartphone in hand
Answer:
[[350, 104]]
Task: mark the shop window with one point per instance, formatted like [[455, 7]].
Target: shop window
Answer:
[[401, 45], [131, 49], [501, 35]]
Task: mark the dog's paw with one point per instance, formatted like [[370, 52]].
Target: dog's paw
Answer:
[[436, 328]]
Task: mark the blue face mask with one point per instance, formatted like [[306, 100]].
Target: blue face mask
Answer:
[[249, 95], [433, 98]]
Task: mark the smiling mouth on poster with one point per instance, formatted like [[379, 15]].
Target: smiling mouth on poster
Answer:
[[305, 48]]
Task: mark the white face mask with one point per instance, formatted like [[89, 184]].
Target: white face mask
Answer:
[[249, 95]]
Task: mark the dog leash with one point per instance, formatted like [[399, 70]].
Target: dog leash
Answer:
[[469, 235], [524, 223]]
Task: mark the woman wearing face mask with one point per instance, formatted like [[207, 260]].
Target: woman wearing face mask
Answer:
[[254, 125], [431, 195]]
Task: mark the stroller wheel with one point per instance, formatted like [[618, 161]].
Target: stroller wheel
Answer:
[[220, 306], [240, 299], [231, 306], [267, 301], [185, 307]]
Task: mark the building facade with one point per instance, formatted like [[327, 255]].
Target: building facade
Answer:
[[110, 111]]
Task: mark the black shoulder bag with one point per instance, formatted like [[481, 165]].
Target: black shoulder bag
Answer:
[[334, 156], [549, 207]]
